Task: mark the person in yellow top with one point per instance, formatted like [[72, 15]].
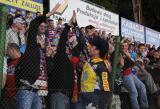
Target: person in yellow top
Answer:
[[95, 78]]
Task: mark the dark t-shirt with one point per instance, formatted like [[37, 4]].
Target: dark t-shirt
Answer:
[[10, 87], [127, 68]]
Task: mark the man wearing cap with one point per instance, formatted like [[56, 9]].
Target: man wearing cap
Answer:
[[95, 78], [15, 34]]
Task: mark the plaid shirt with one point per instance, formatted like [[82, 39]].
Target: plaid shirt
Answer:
[[12, 37]]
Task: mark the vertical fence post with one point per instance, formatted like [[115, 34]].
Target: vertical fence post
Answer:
[[114, 67], [3, 22]]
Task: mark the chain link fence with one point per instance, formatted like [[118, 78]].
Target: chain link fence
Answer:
[[23, 88]]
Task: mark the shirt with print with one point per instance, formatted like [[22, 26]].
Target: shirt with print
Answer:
[[10, 87], [95, 76]]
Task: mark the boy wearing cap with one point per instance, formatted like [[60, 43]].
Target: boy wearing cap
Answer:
[[95, 78]]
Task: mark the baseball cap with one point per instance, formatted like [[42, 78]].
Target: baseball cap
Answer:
[[18, 20]]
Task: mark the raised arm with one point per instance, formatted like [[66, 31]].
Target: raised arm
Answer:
[[63, 39]]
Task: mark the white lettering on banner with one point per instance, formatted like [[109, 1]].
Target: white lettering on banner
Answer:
[[88, 14], [152, 37], [132, 30], [13, 9], [132, 25]]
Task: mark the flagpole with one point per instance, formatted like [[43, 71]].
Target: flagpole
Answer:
[[114, 67]]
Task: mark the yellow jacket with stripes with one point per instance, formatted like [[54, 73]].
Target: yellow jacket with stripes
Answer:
[[95, 71]]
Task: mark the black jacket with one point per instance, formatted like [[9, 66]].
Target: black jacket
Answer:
[[60, 69], [28, 67]]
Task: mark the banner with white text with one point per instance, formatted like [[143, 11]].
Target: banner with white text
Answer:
[[132, 30], [87, 14], [152, 37]]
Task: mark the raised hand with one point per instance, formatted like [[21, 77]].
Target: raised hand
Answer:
[[74, 16], [74, 13]]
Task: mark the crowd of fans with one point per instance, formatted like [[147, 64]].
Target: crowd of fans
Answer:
[[64, 66]]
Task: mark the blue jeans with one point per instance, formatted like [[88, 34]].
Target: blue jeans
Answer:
[[135, 87], [28, 100], [59, 101], [100, 100]]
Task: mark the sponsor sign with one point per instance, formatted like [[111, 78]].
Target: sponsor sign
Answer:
[[87, 14]]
